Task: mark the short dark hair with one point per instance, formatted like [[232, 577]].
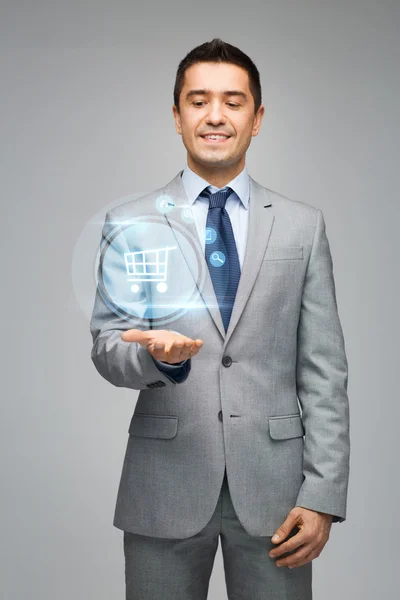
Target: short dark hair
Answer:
[[219, 51]]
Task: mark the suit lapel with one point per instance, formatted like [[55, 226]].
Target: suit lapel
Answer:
[[259, 229]]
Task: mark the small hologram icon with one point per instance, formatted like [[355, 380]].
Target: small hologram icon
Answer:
[[164, 204], [187, 215], [148, 265], [217, 259], [211, 235]]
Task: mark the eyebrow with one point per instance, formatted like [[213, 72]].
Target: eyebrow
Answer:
[[206, 92]]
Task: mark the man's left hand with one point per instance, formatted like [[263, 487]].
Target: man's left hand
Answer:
[[314, 533]]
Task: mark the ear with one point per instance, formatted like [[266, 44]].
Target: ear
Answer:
[[177, 118], [257, 120]]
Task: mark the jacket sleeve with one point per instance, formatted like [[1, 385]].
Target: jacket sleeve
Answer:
[[178, 371], [124, 364], [321, 379]]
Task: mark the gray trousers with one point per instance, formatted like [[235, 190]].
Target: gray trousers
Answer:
[[180, 569]]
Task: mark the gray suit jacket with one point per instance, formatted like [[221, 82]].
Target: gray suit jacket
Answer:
[[268, 399]]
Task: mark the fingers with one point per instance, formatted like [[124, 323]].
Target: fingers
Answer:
[[291, 544], [134, 335], [304, 559], [297, 558], [196, 346], [287, 526], [167, 346], [181, 348], [309, 546], [306, 553]]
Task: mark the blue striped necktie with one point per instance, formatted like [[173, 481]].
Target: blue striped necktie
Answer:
[[221, 252]]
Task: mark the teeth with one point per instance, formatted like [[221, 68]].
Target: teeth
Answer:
[[216, 137]]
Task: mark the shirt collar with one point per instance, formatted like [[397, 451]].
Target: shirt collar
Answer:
[[194, 185]]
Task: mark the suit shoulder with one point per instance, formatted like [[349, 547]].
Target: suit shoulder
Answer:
[[136, 206], [293, 205]]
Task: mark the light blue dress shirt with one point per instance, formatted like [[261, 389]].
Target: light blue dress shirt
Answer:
[[237, 207]]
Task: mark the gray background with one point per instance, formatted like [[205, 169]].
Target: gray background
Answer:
[[86, 120]]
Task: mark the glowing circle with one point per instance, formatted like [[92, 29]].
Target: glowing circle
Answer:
[[217, 259], [211, 235]]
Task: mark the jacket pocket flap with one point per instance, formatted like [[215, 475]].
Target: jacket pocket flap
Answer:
[[154, 426], [286, 427], [283, 252]]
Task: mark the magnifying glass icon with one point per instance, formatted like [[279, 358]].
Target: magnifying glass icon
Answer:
[[216, 256]]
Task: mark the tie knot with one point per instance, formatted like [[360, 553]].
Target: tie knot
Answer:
[[218, 199]]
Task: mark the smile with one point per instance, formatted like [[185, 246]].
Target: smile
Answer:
[[215, 138]]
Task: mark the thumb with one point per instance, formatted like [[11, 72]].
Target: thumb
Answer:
[[286, 527], [134, 335]]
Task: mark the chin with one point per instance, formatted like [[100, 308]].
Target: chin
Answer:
[[214, 162], [212, 157]]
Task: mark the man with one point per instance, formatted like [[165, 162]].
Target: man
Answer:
[[218, 445]]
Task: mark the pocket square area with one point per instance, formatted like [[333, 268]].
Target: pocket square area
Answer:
[[284, 253]]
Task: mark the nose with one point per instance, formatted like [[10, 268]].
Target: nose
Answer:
[[215, 114]]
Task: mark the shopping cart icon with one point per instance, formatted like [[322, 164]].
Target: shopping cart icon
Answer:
[[148, 265]]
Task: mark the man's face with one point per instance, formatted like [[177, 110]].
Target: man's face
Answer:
[[207, 105]]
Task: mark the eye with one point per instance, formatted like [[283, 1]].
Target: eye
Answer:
[[201, 102]]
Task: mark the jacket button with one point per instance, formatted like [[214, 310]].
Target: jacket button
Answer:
[[220, 415], [227, 361]]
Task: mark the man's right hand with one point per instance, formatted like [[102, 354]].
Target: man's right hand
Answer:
[[164, 345]]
